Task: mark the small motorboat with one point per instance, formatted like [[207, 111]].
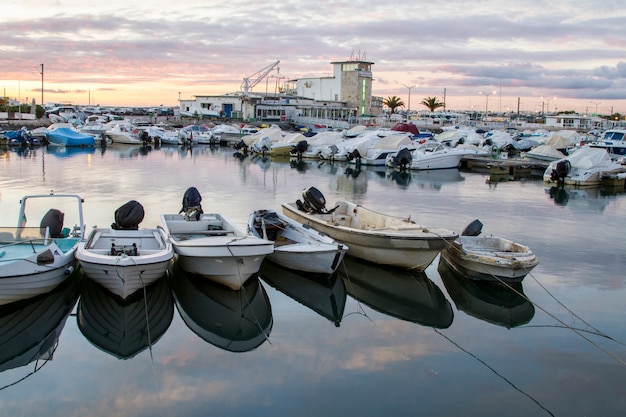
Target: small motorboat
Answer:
[[372, 236], [585, 167], [297, 246], [62, 134], [124, 258], [210, 245], [34, 260], [433, 155], [488, 258]]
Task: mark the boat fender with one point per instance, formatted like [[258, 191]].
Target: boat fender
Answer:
[[69, 270]]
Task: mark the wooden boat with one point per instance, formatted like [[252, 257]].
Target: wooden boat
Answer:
[[124, 328], [372, 236], [34, 260], [489, 258], [406, 295], [124, 258], [124, 261], [486, 300], [296, 246], [324, 295], [236, 321], [210, 245]]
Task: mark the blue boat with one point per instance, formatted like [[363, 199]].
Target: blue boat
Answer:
[[64, 136]]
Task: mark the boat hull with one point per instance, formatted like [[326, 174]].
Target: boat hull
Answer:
[[214, 248], [295, 246], [404, 245], [123, 272], [489, 264]]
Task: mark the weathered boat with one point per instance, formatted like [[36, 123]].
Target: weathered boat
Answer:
[[372, 236], [296, 246], [489, 258]]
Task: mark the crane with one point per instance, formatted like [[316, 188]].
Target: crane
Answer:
[[252, 80]]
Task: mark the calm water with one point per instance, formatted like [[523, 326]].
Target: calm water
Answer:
[[369, 342]]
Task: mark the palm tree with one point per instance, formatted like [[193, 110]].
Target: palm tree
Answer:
[[432, 103], [393, 103]]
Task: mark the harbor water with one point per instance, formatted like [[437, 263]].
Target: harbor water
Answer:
[[369, 341]]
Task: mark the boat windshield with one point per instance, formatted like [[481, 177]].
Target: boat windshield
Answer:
[[612, 135]]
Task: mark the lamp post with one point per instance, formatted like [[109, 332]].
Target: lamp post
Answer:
[[408, 112], [547, 99], [487, 100], [593, 102]]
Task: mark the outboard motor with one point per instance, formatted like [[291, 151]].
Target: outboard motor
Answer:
[[561, 170], [191, 204], [473, 229], [53, 220], [145, 137], [128, 216], [402, 159], [299, 148], [355, 154], [241, 146], [313, 202]]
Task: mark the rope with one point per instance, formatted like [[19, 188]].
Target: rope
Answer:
[[494, 371], [576, 331]]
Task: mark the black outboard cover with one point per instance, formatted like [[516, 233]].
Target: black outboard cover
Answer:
[[128, 216], [402, 158], [53, 219], [191, 204], [473, 229], [300, 147], [314, 199], [561, 170]]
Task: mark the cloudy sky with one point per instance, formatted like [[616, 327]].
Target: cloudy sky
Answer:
[[565, 55]]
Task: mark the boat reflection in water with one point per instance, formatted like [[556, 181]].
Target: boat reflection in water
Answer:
[[236, 321], [30, 329], [489, 301], [404, 294], [326, 295], [120, 328]]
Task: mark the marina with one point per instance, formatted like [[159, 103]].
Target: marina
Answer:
[[553, 347]]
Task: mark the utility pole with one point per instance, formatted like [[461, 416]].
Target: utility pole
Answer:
[[444, 99], [41, 72]]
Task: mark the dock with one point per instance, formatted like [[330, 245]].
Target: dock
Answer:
[[514, 168]]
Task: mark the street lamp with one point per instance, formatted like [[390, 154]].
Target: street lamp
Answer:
[[487, 100], [548, 100], [409, 106], [593, 102]]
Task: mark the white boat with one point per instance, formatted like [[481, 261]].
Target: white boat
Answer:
[[489, 258], [127, 133], [297, 246], [377, 153], [376, 237], [583, 168], [429, 155], [35, 260], [210, 245], [124, 261], [544, 153], [613, 141]]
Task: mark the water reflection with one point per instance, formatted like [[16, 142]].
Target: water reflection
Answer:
[[404, 294], [30, 329], [584, 199], [236, 321], [124, 328], [323, 294], [69, 151], [491, 302]]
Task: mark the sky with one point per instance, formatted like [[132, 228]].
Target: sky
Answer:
[[496, 55]]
